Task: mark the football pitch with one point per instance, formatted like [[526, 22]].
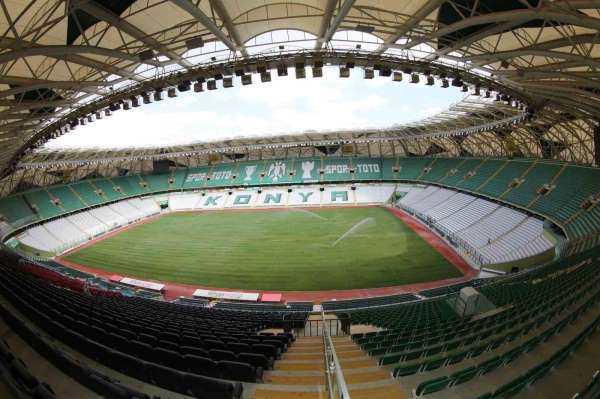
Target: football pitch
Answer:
[[282, 250]]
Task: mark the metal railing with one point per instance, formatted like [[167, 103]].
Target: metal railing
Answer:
[[336, 384], [317, 327]]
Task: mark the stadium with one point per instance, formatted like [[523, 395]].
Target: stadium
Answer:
[[452, 255]]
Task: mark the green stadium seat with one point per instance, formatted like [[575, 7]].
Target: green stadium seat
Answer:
[[68, 199], [16, 211], [407, 370], [432, 386], [87, 193], [460, 377], [108, 189], [41, 200]]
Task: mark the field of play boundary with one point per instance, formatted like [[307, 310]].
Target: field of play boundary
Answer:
[[174, 290]]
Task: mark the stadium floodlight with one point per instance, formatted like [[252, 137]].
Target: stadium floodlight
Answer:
[[158, 95], [369, 73], [171, 92], [397, 76], [344, 72], [198, 87], [211, 84], [282, 70], [364, 28], [194, 42], [385, 72], [265, 76], [262, 68], [414, 78], [246, 79], [445, 83], [227, 82], [184, 86], [146, 55], [430, 80]]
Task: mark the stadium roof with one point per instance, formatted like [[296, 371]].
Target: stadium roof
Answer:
[[64, 60]]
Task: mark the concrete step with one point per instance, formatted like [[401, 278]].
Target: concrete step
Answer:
[[305, 349], [294, 379], [262, 393], [299, 365], [303, 356], [392, 391]]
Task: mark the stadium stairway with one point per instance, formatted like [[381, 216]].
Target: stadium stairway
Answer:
[[300, 373]]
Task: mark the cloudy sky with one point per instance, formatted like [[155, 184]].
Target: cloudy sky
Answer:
[[284, 105]]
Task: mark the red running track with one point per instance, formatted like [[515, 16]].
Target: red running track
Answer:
[[175, 290]]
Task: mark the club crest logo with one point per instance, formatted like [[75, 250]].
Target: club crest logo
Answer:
[[307, 168], [249, 172], [276, 171]]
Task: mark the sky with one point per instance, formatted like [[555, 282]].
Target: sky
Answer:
[[284, 105]]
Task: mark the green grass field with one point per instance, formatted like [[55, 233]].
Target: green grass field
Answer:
[[295, 249]]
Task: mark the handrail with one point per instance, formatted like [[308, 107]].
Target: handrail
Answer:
[[326, 368], [332, 365]]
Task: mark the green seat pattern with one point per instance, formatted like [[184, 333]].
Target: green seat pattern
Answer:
[[108, 189], [157, 183], [130, 185], [501, 182], [221, 175], [87, 193], [483, 172], [540, 174], [68, 199], [42, 201], [16, 211]]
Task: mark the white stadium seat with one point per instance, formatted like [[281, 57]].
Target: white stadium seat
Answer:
[[497, 233]]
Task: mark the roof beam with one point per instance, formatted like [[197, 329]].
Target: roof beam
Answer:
[[16, 105], [512, 16], [63, 50], [221, 11], [411, 23], [325, 22], [96, 10], [339, 18], [486, 59], [48, 84], [205, 20], [15, 44]]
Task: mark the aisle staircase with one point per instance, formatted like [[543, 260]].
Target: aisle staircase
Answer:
[[300, 374]]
